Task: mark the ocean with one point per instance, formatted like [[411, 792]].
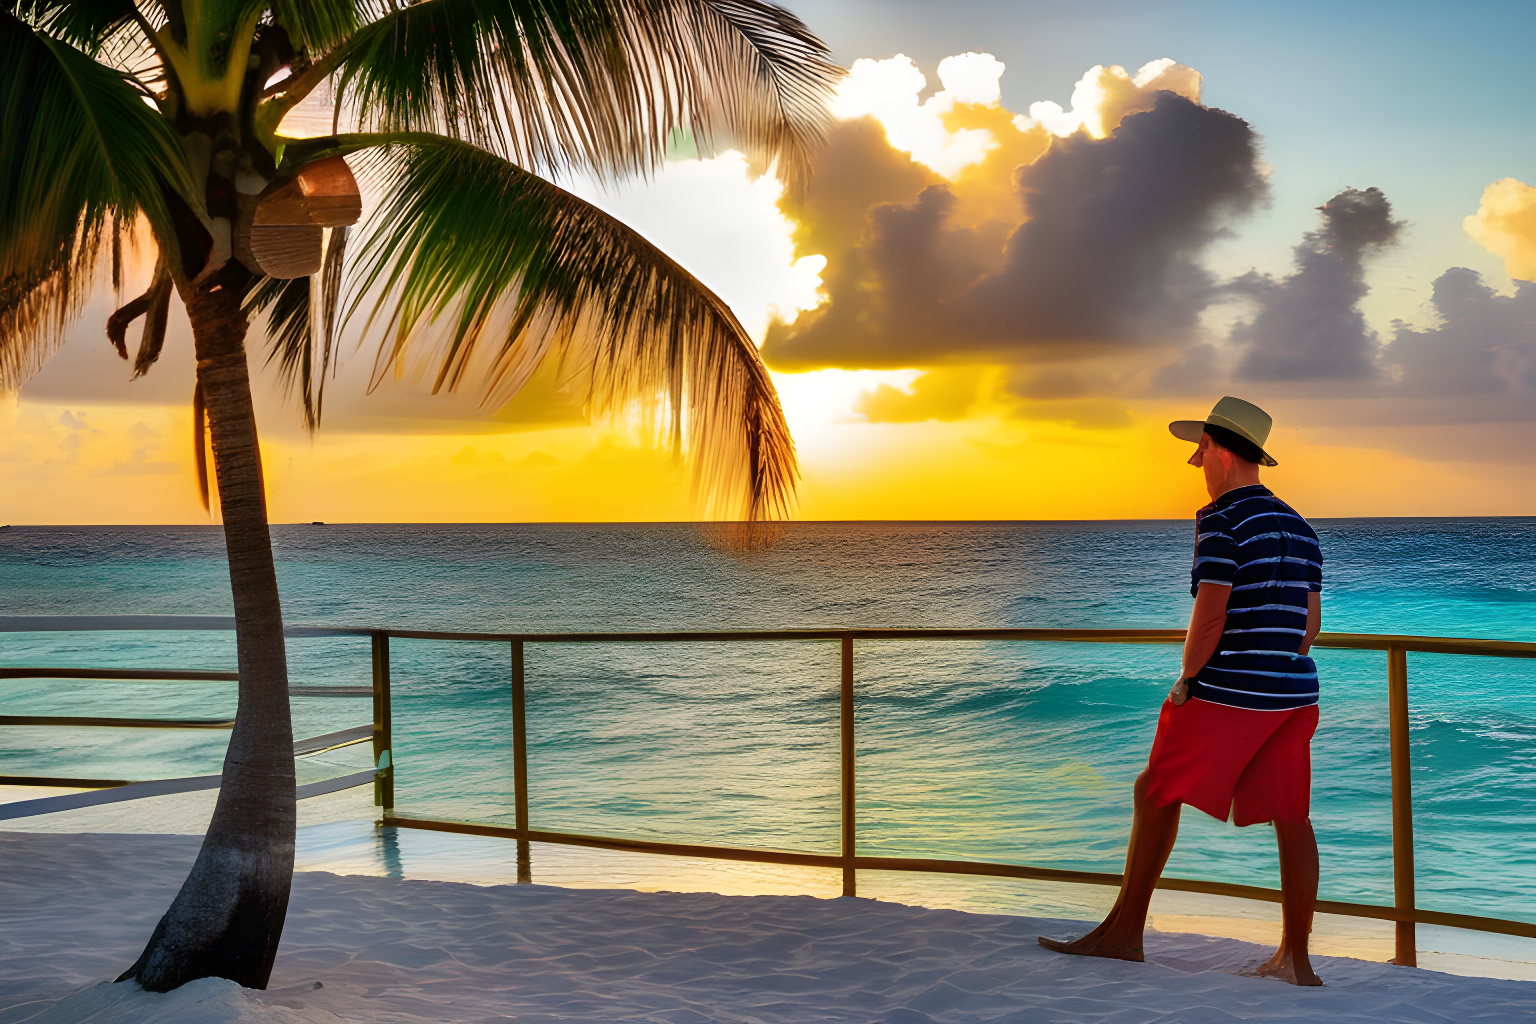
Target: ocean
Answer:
[[1020, 752]]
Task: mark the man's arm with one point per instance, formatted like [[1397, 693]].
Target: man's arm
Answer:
[[1206, 623], [1314, 621]]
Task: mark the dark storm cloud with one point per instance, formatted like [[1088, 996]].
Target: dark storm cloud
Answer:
[[1309, 326], [1485, 347], [1107, 258], [1110, 250], [855, 170]]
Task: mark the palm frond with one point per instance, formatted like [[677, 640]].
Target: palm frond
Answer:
[[85, 25], [200, 442], [156, 317], [317, 25], [301, 327], [85, 158], [599, 86], [114, 32], [510, 262]]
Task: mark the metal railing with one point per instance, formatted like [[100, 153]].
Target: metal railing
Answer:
[[154, 787], [1404, 912]]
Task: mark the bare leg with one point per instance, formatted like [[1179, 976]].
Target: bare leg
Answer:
[[1298, 885], [1152, 836]]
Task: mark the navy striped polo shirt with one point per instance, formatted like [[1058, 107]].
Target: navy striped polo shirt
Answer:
[[1253, 542]]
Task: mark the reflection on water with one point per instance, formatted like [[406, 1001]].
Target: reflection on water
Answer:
[[389, 852]]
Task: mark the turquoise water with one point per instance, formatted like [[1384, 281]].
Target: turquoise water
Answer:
[[1009, 751]]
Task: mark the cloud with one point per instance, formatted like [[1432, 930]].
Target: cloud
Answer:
[[1107, 256], [945, 395], [138, 462], [856, 170], [1484, 348], [1309, 326], [1116, 226], [141, 468], [888, 89], [1505, 225], [1104, 96], [1055, 269]]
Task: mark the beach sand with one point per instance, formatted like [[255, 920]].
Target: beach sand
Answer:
[[76, 908]]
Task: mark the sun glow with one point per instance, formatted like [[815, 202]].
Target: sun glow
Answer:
[[1104, 95], [888, 90]]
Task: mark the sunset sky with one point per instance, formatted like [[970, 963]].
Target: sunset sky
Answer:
[[1039, 232]]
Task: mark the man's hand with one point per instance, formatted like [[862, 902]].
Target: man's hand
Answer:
[[1180, 692]]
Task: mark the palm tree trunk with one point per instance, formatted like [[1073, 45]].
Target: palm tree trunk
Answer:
[[228, 917]]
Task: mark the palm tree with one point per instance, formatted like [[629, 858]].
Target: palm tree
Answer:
[[158, 121]]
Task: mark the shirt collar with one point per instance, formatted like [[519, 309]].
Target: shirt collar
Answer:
[[1238, 494]]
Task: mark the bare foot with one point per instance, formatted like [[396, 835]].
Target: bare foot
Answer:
[[1282, 966], [1094, 944]]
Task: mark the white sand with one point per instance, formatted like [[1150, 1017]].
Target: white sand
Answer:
[[75, 909], [336, 833]]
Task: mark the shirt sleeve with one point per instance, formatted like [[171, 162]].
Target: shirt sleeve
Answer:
[[1215, 558], [1315, 572]]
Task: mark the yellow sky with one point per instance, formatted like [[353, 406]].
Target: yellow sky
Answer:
[[102, 464], [82, 445]]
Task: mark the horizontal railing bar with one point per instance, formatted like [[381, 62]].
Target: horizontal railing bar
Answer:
[[94, 623], [333, 740], [118, 674], [1427, 644], [49, 780], [1247, 892], [308, 745], [169, 675], [728, 636], [814, 860], [330, 691], [120, 723], [1348, 641], [140, 623], [165, 787], [960, 867], [1345, 641]]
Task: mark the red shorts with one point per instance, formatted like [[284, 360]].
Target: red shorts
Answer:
[[1233, 763]]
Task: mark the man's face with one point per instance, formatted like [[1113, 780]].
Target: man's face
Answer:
[[1214, 459], [1201, 450]]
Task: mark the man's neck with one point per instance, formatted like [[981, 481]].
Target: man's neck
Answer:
[[1238, 479]]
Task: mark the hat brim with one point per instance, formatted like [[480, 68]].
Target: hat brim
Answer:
[[1187, 430], [1193, 430]]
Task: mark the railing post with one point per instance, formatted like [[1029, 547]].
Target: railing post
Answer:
[[383, 731], [520, 763], [850, 803], [1402, 805]]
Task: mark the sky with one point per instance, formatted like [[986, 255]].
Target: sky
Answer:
[[1038, 233]]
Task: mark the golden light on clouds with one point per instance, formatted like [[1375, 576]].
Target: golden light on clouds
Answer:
[[1505, 225], [887, 90], [1105, 95]]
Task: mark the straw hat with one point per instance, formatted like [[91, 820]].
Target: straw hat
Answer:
[[1244, 419]]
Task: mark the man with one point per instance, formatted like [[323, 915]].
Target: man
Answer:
[[1234, 736]]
